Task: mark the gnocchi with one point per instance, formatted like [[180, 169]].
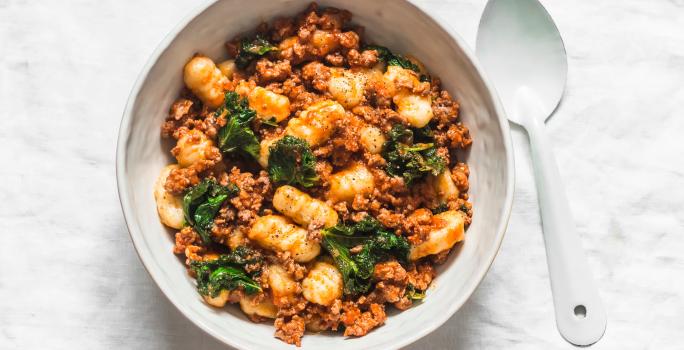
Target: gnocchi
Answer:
[[444, 186], [169, 207], [324, 41], [192, 147], [372, 139], [316, 324], [303, 209], [288, 43], [277, 233], [346, 184], [218, 301], [283, 287], [316, 123], [346, 87], [323, 284], [227, 68], [205, 80], [265, 150], [263, 307], [414, 109], [443, 238], [401, 78], [268, 104], [237, 238]]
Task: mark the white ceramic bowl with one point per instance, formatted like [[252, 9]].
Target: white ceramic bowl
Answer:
[[396, 24]]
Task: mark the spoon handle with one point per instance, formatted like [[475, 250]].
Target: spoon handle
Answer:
[[580, 315]]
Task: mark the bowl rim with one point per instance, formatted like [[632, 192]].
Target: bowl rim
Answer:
[[154, 270]]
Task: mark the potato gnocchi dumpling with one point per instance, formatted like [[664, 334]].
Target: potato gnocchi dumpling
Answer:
[[316, 124], [192, 147], [283, 286], [346, 184], [451, 232], [323, 285], [269, 105], [346, 87], [263, 307], [227, 68], [401, 79], [205, 80], [219, 300], [303, 209], [169, 206], [277, 233], [372, 139], [324, 41], [318, 178], [416, 110], [264, 150], [444, 186]]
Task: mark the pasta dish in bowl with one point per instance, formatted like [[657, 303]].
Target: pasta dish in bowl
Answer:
[[318, 178]]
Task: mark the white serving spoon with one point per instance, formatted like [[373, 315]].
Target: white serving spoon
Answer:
[[523, 53]]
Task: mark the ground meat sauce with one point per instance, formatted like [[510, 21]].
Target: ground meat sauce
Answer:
[[311, 49]]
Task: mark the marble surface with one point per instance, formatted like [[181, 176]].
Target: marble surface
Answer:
[[70, 278]]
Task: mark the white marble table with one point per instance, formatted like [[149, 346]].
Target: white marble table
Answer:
[[70, 279]]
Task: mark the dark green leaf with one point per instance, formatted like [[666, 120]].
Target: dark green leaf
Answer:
[[205, 213], [442, 207], [236, 135], [250, 49], [226, 272], [242, 256], [410, 160], [423, 135], [202, 202], [402, 62], [365, 261], [391, 59], [346, 240], [236, 107], [413, 293], [348, 267], [353, 235], [211, 282], [231, 278], [384, 53], [291, 161], [387, 244], [192, 198], [368, 226], [270, 122], [378, 244], [258, 46]]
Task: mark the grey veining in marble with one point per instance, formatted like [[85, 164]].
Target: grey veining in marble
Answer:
[[70, 278]]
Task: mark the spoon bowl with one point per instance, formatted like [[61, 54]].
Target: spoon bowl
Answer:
[[519, 45]]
